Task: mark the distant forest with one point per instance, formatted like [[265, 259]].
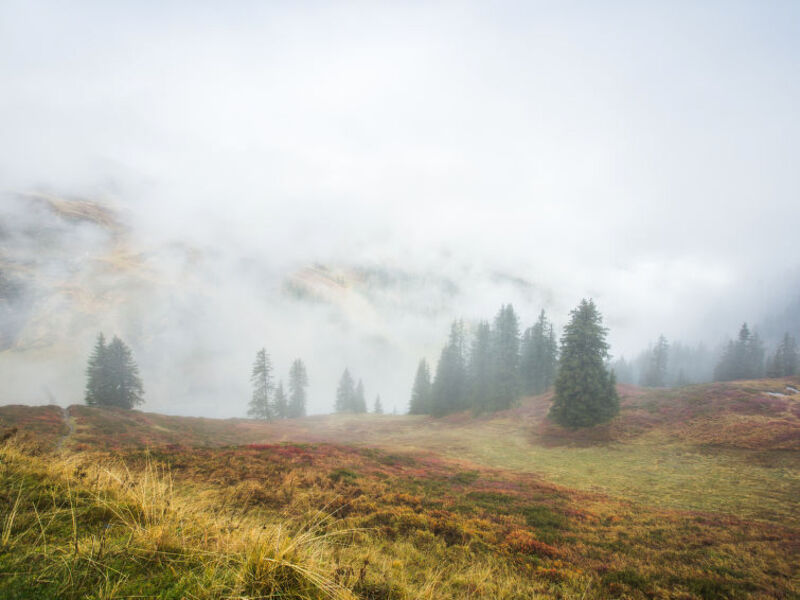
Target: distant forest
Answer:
[[487, 367]]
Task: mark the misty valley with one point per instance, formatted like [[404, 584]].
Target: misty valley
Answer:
[[399, 300], [517, 462]]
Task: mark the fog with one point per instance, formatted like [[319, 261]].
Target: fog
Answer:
[[432, 161]]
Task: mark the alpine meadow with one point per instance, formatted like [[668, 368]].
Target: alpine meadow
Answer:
[[399, 301]]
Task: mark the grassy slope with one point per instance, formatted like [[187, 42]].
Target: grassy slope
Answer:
[[479, 493]]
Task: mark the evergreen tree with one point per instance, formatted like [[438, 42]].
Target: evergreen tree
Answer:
[[113, 377], [261, 378], [421, 391], [539, 357], [298, 381], [656, 374], [505, 384], [449, 385], [346, 394], [623, 370], [785, 360], [378, 410], [97, 393], [280, 403], [585, 392], [754, 357], [479, 368], [742, 359], [360, 401]]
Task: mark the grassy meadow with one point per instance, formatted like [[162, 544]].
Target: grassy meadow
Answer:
[[689, 493]]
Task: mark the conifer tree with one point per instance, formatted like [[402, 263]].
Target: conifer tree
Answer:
[[345, 394], [479, 368], [97, 392], [505, 384], [421, 391], [298, 381], [742, 359], [261, 378], [360, 401], [785, 360], [585, 392], [378, 410], [539, 357], [113, 377], [656, 374], [449, 385], [280, 403]]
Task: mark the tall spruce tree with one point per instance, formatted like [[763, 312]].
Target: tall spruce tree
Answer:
[[345, 394], [449, 385], [656, 373], [539, 357], [421, 391], [298, 382], [785, 360], [261, 378], [378, 409], [741, 359], [505, 384], [585, 392], [479, 368], [360, 400], [280, 403], [97, 392], [113, 377], [123, 375]]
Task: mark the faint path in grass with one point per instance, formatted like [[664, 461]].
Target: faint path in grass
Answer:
[[70, 428]]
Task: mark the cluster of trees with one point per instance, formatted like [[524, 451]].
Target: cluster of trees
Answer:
[[350, 396], [490, 370], [785, 361], [742, 358], [665, 364], [112, 375], [269, 401]]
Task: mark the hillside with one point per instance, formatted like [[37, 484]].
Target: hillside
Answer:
[[690, 493]]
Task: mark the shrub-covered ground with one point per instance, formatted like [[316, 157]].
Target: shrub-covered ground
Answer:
[[664, 502]]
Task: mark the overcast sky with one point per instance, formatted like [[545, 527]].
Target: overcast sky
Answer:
[[643, 153]]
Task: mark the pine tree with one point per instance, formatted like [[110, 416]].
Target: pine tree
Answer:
[[742, 359], [421, 391], [656, 374], [378, 410], [125, 387], [449, 385], [298, 381], [505, 384], [261, 378], [539, 357], [360, 401], [345, 394], [585, 392], [479, 368], [280, 404], [97, 393], [113, 377], [784, 362]]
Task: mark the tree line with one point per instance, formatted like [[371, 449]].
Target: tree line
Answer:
[[350, 397], [489, 367], [665, 364], [270, 401]]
